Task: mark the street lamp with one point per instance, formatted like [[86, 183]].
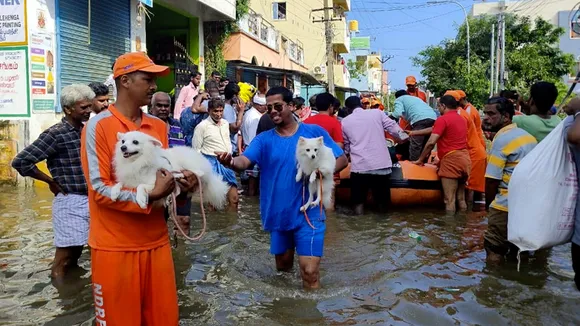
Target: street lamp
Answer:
[[466, 25]]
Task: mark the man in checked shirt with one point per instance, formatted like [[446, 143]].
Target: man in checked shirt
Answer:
[[60, 146]]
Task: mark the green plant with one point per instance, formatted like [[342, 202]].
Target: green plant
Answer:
[[216, 34]]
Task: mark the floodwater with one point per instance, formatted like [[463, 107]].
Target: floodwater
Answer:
[[373, 273]]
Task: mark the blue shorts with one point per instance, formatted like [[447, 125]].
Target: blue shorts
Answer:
[[306, 240]]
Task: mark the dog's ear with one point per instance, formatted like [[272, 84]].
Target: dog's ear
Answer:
[[302, 140], [120, 135], [156, 142], [320, 140]]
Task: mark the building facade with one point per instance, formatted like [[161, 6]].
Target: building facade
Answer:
[[54, 43], [301, 20], [261, 55]]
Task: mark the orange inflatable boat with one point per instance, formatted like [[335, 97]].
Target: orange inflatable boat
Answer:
[[410, 185]]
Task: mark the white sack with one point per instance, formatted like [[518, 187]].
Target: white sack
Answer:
[[542, 195]]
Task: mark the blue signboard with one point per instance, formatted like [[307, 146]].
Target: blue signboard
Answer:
[[148, 3]]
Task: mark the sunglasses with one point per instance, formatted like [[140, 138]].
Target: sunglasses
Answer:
[[277, 106]]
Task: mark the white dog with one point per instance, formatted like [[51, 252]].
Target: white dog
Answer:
[[139, 156], [313, 157]]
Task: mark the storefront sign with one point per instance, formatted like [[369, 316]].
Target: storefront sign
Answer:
[[13, 22], [360, 43], [148, 3], [42, 83], [14, 97]]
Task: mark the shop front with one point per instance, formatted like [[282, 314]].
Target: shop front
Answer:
[[91, 35], [173, 40]]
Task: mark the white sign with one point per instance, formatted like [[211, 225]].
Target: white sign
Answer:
[[13, 22], [14, 96]]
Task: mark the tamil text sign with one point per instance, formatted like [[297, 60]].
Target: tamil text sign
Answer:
[[14, 96]]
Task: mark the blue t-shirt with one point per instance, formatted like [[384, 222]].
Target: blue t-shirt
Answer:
[[280, 194]]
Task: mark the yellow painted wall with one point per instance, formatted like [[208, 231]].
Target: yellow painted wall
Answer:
[[298, 26], [8, 149]]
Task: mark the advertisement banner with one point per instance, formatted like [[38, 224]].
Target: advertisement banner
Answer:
[[42, 56], [13, 29], [14, 95], [42, 81]]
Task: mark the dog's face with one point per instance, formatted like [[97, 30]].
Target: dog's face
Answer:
[[134, 144], [310, 147]]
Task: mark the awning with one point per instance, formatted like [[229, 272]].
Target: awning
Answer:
[[346, 89], [305, 78]]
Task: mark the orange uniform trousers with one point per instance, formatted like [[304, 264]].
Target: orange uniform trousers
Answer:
[[134, 288]]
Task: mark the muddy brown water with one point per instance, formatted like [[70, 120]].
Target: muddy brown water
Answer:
[[373, 273]]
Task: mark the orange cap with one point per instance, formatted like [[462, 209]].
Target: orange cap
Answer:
[[461, 93], [455, 95], [410, 80], [375, 102], [136, 61], [366, 100]]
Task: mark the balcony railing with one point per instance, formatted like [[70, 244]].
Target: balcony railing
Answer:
[[254, 25], [295, 52]]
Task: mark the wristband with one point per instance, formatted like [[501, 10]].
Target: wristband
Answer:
[[576, 115]]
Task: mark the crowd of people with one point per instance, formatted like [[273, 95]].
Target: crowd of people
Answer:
[[130, 245]]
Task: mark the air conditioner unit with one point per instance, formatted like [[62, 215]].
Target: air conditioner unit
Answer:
[[320, 70]]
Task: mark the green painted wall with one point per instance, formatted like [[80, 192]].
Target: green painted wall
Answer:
[[169, 22]]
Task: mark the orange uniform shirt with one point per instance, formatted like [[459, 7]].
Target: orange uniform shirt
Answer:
[[418, 93], [118, 225], [476, 118], [474, 146]]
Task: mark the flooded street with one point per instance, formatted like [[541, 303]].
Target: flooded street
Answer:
[[373, 273]]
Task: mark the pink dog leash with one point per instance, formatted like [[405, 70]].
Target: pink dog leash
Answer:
[[173, 213]]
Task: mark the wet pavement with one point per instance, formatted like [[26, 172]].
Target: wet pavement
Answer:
[[373, 273]]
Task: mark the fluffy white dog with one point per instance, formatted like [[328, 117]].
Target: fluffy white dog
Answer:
[[139, 156], [313, 157]]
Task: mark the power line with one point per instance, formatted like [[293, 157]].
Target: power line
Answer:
[[413, 22]]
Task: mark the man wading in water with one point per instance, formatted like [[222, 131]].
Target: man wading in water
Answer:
[[280, 195]]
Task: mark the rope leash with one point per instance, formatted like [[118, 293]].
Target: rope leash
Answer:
[[173, 213], [304, 197]]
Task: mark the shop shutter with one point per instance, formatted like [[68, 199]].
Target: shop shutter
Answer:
[[230, 72], [249, 77], [110, 36]]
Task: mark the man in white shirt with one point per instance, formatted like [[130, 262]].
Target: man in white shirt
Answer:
[[249, 128], [252, 118], [212, 136]]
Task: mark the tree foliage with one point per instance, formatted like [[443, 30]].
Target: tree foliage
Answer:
[[532, 54], [357, 69]]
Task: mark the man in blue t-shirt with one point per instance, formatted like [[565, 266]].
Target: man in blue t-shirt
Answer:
[[280, 195]]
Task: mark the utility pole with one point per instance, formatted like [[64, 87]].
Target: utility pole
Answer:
[[492, 60], [329, 33], [502, 8], [384, 60]]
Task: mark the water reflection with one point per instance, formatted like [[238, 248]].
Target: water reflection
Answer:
[[373, 273]]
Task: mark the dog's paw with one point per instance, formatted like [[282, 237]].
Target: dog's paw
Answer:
[[313, 177], [142, 197], [304, 208], [116, 191], [315, 203], [178, 175], [298, 177]]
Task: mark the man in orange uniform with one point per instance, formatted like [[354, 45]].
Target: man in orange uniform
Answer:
[[477, 153], [473, 113], [413, 90], [132, 268]]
